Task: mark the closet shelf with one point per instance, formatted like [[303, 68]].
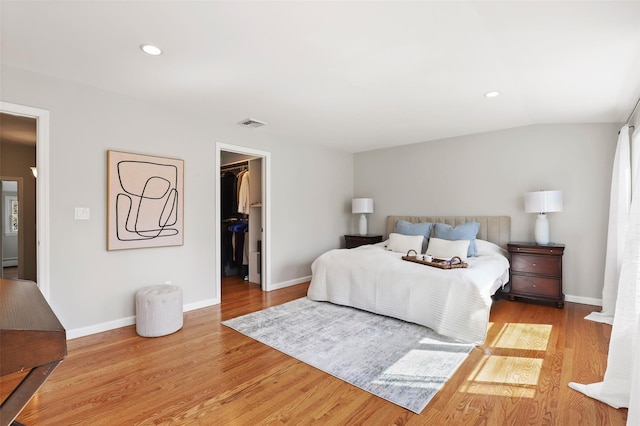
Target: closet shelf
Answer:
[[256, 205]]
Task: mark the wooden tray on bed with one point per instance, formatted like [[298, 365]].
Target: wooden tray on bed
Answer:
[[437, 263]]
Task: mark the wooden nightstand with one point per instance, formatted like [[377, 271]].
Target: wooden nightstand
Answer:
[[352, 241], [536, 272]]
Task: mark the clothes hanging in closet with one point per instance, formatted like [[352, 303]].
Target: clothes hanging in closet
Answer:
[[239, 230], [234, 197], [228, 195], [243, 193], [229, 268]]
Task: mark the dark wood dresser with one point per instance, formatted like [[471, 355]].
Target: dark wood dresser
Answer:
[[536, 272], [31, 339], [352, 241]]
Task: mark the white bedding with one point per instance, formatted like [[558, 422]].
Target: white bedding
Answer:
[[454, 302]]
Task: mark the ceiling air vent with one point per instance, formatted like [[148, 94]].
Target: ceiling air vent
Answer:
[[253, 123]]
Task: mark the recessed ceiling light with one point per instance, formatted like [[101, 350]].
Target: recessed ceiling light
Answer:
[[491, 94], [150, 49]]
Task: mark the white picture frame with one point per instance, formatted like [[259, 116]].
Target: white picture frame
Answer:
[[11, 215]]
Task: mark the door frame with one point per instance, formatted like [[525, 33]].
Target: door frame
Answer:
[[265, 266], [43, 230]]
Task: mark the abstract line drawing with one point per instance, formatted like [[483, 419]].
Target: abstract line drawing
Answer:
[[145, 195]]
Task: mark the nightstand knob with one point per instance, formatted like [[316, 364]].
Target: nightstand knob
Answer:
[[534, 265]]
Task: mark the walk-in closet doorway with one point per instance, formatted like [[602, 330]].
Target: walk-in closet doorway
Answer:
[[242, 217]]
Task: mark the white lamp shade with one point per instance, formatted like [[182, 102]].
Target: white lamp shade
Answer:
[[362, 205], [543, 201]]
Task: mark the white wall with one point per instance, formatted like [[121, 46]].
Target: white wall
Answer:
[[488, 174], [92, 288]]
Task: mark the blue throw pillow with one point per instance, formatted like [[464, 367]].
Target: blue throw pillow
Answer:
[[407, 228], [466, 231]]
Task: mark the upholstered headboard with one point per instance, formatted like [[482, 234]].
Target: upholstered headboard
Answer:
[[496, 229]]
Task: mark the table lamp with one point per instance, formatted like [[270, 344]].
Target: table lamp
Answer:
[[362, 206], [542, 202]]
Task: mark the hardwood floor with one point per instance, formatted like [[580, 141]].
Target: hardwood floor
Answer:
[[209, 374], [10, 272]]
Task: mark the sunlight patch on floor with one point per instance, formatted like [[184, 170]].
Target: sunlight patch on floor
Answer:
[[523, 336], [510, 370], [499, 390], [510, 367], [419, 368], [505, 376]]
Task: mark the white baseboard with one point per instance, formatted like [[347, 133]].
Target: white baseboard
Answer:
[[583, 300], [200, 304], [289, 283], [99, 328], [9, 261], [124, 322]]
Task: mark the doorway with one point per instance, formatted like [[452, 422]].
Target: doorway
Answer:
[[232, 161], [11, 232], [18, 203], [41, 230]]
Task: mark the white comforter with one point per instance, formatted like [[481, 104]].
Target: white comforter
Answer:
[[453, 302]]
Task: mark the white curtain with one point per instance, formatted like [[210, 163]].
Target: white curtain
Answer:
[[621, 384], [619, 205]]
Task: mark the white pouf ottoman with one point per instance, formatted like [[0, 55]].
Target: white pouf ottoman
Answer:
[[158, 310]]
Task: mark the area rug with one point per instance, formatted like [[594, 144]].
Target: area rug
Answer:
[[401, 362]]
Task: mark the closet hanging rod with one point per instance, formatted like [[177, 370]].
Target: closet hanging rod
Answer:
[[233, 169], [236, 165]]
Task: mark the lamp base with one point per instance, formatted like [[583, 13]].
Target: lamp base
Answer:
[[542, 229], [363, 224]]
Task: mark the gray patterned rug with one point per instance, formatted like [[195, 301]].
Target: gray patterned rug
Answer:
[[401, 362]]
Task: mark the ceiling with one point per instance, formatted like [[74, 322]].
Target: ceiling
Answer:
[[352, 75]]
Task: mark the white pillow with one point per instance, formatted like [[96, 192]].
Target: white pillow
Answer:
[[446, 249], [403, 243], [487, 247]]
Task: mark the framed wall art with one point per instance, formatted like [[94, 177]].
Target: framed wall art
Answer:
[[11, 215], [145, 201]]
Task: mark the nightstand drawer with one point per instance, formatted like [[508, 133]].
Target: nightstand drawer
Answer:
[[528, 249], [537, 286], [543, 265], [353, 241]]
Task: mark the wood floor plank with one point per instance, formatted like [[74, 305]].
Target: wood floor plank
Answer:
[[207, 373]]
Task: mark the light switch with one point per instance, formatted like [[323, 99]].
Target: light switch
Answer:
[[81, 213]]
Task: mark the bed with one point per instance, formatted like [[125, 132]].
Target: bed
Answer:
[[454, 302]]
